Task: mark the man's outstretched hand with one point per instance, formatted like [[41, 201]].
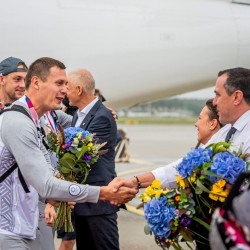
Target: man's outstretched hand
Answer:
[[117, 193]]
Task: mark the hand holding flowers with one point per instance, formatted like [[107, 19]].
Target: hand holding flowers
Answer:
[[168, 214], [204, 181], [76, 150]]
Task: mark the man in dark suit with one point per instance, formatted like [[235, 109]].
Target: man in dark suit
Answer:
[[96, 225]]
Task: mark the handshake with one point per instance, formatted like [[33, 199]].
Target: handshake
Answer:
[[120, 191]]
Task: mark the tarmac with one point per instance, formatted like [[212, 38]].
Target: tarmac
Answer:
[[150, 146]]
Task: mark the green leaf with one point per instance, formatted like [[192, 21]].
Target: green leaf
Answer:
[[76, 170], [192, 209], [170, 194], [80, 153], [202, 187], [67, 161], [206, 165], [209, 173], [147, 230], [203, 223], [176, 246], [65, 170], [185, 236]]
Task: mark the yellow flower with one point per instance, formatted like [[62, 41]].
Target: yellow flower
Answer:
[[224, 193], [79, 135], [193, 179], [166, 191], [90, 144], [221, 183], [158, 193], [217, 188], [149, 191], [213, 197], [156, 184], [146, 199], [180, 181]]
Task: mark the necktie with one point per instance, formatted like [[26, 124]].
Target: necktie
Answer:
[[230, 133]]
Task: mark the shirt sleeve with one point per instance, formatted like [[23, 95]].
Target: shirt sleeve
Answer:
[[64, 119], [20, 137], [167, 174]]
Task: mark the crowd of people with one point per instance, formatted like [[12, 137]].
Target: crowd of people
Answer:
[[31, 106]]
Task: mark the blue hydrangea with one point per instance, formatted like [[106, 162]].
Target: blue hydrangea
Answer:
[[193, 160], [70, 133], [227, 166], [158, 216]]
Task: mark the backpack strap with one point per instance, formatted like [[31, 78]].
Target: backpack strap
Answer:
[[8, 172], [17, 108], [55, 117], [21, 109]]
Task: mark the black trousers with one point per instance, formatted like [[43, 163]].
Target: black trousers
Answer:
[[99, 232]]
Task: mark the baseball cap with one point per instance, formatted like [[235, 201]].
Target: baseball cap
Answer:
[[10, 65]]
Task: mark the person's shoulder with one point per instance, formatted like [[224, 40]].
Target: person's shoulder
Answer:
[[220, 135], [103, 111]]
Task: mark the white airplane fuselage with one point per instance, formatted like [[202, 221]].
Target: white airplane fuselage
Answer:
[[137, 50]]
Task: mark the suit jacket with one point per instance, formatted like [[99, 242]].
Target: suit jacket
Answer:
[[100, 121]]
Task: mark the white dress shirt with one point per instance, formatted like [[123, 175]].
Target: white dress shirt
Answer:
[[82, 114], [241, 139]]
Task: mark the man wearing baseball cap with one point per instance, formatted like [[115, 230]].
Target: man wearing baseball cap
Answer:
[[12, 75]]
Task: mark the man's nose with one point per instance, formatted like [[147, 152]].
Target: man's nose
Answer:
[[64, 89], [214, 101], [22, 83]]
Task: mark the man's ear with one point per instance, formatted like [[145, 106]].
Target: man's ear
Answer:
[[238, 97], [35, 82], [79, 90]]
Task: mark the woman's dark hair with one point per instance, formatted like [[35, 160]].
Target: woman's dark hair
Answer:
[[212, 114]]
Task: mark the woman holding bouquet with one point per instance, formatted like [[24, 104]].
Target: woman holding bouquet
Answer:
[[232, 100], [207, 125]]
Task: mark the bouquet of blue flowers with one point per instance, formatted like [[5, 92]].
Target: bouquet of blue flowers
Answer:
[[168, 214], [211, 171], [76, 150], [204, 181]]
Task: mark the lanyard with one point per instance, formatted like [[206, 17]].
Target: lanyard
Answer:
[[35, 119], [51, 121], [32, 111]]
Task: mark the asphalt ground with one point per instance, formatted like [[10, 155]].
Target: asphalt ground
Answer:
[[150, 146]]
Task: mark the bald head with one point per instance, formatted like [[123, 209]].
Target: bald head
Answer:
[[83, 78], [80, 88]]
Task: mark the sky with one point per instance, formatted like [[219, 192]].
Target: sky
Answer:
[[199, 94]]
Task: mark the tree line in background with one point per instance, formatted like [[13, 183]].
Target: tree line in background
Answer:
[[168, 107]]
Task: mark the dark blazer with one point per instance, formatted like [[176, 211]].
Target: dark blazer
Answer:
[[100, 121]]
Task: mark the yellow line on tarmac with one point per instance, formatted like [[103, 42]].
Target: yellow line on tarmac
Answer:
[[131, 208], [134, 210]]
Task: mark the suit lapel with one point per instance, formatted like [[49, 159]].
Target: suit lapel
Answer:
[[74, 119], [90, 115]]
